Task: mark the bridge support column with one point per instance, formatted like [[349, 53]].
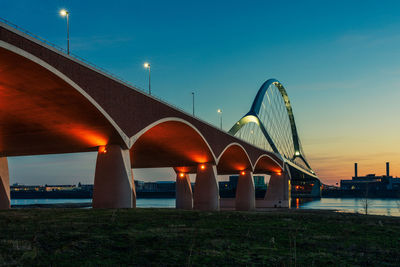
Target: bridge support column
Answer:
[[184, 195], [245, 192], [278, 191], [5, 202], [206, 191], [113, 182]]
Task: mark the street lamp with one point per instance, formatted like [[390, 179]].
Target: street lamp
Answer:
[[193, 102], [65, 13], [147, 66], [220, 117]]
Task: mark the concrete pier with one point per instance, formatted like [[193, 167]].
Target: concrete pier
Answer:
[[5, 201], [113, 183], [245, 192], [206, 191], [184, 195], [278, 192]]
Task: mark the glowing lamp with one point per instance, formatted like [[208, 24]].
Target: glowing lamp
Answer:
[[278, 173], [297, 153], [181, 175], [146, 65], [242, 172], [63, 12], [102, 149], [202, 166]]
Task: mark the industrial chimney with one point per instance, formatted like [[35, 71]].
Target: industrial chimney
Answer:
[[387, 168], [355, 169]]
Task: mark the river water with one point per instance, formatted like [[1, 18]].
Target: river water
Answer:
[[389, 207], [376, 206], [140, 202]]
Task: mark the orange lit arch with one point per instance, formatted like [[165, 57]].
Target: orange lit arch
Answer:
[[170, 142], [233, 159], [57, 115], [267, 164]]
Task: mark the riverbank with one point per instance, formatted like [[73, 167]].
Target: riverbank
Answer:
[[53, 206], [76, 237]]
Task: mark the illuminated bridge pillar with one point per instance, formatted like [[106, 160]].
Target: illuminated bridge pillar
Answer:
[[184, 195], [206, 192], [278, 191], [4, 184], [113, 181], [245, 192]]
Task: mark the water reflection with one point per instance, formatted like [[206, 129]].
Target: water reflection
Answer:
[[389, 207], [140, 202]]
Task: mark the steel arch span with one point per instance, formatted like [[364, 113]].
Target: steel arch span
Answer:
[[270, 125]]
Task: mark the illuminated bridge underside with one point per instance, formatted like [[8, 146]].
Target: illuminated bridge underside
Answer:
[[270, 125], [40, 113]]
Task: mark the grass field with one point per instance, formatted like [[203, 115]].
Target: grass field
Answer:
[[168, 237]]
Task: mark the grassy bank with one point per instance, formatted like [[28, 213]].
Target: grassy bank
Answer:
[[72, 237]]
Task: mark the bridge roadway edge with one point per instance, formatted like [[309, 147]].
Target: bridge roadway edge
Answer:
[[117, 98]]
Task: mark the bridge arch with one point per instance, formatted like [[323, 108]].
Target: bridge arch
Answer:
[[270, 124], [234, 158], [170, 142], [267, 164], [70, 114]]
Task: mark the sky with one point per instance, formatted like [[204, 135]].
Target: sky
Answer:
[[338, 60]]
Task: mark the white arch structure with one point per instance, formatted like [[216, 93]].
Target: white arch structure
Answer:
[[270, 127]]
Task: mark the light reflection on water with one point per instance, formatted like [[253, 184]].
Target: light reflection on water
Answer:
[[389, 207], [376, 206], [48, 201], [140, 202]]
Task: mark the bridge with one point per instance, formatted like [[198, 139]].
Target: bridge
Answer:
[[52, 102]]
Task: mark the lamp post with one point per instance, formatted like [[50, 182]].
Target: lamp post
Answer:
[[65, 13], [147, 66], [220, 117], [193, 102]]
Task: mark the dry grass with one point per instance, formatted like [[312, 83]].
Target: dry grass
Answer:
[[167, 237]]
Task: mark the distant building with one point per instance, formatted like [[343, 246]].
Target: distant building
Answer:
[[371, 185], [139, 185], [233, 180], [41, 188], [224, 185], [165, 186], [259, 181]]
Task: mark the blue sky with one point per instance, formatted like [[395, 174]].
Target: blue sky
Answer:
[[339, 61]]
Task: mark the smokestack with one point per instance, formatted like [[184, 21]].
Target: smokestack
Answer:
[[355, 169], [387, 168]]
